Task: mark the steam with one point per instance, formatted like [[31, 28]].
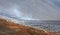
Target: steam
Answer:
[[19, 14], [16, 12]]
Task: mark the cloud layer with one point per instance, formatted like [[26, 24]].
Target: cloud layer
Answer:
[[32, 9]]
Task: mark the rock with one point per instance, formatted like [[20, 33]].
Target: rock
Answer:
[[11, 28]]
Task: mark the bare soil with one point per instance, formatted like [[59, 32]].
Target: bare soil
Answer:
[[11, 28]]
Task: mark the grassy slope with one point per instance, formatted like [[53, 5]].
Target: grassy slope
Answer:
[[10, 28]]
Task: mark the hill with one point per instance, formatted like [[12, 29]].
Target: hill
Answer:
[[11, 28]]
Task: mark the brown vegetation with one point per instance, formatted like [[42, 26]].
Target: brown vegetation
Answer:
[[10, 28]]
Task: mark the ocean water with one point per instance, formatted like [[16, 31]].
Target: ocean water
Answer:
[[45, 25]]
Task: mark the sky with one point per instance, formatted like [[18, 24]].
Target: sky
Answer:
[[31, 9]]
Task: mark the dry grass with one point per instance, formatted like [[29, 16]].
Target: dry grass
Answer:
[[10, 28]]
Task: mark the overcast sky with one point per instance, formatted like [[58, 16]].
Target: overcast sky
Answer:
[[31, 9]]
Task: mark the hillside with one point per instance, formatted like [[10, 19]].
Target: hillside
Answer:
[[11, 28]]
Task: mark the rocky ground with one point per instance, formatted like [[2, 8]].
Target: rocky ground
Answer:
[[11, 28]]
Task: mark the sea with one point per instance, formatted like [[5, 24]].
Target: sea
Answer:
[[49, 25]]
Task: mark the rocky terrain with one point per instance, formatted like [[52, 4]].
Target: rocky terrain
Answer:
[[11, 28]]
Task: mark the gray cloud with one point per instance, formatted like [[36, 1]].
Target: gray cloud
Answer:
[[37, 9]]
